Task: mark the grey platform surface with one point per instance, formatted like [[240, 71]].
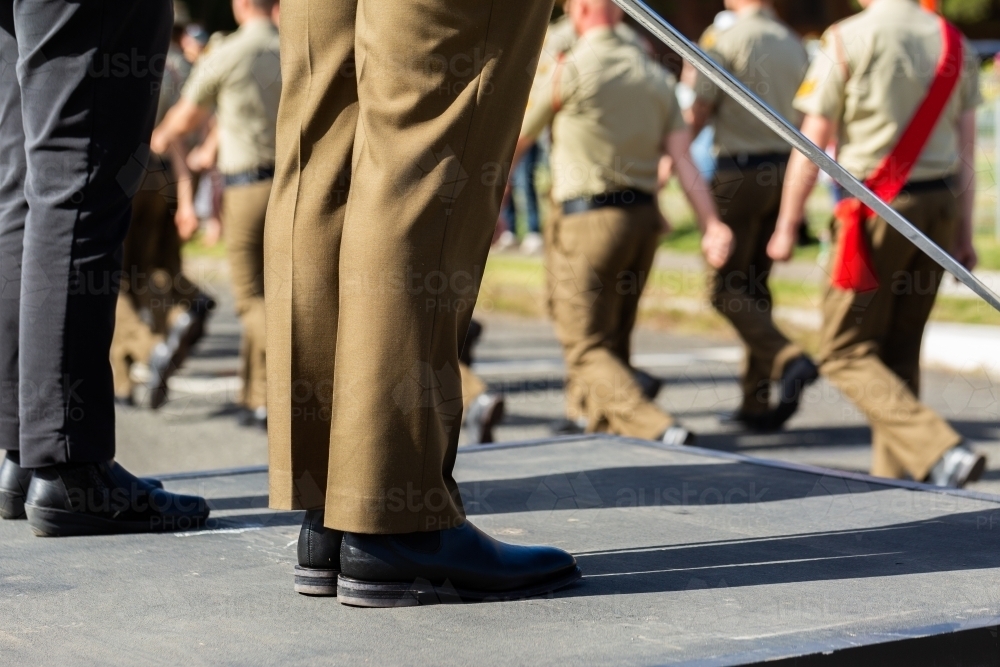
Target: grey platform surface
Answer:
[[689, 557]]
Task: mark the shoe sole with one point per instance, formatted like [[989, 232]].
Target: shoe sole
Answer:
[[355, 593], [48, 522], [12, 506], [312, 581]]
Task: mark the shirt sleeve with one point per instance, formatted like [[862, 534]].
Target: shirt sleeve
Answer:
[[704, 89], [824, 90], [203, 86], [548, 94]]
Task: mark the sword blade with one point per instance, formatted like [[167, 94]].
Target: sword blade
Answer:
[[670, 36]]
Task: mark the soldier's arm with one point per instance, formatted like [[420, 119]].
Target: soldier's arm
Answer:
[[964, 250], [182, 119], [717, 238], [800, 179]]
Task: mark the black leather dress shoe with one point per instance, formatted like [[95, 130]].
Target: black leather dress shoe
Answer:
[[799, 373], [168, 356], [650, 385], [763, 422], [14, 483], [455, 565], [485, 414], [105, 499], [319, 556]]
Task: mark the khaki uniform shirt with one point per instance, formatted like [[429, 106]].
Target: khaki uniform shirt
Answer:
[[768, 57], [611, 108], [241, 79], [870, 77]]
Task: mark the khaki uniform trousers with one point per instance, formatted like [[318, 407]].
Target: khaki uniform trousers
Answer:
[[244, 209], [395, 133], [871, 342], [598, 263], [748, 201], [152, 279]]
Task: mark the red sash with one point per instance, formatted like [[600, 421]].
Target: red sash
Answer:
[[853, 269]]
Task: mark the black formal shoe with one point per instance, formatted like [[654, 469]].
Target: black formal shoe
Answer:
[[799, 373], [455, 565], [105, 499], [14, 481], [650, 385], [319, 556], [14, 484], [763, 422], [957, 467], [678, 436], [485, 413], [168, 356], [569, 427], [252, 418]]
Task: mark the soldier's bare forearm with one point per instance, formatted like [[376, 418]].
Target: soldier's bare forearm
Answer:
[[697, 191], [800, 178]]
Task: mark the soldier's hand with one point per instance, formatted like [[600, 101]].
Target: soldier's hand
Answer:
[[187, 222], [965, 254], [782, 244], [717, 243]]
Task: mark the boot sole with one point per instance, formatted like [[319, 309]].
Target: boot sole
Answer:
[[355, 593], [312, 581], [48, 522], [12, 506]]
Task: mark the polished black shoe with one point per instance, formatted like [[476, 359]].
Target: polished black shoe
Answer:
[[14, 481], [457, 565], [957, 467], [105, 499], [799, 373], [649, 384], [485, 414], [569, 427], [319, 556], [168, 356], [14, 484], [252, 418], [763, 422]]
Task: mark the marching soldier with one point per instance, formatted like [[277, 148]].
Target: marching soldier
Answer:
[[152, 281], [898, 87], [768, 57], [240, 80], [614, 116]]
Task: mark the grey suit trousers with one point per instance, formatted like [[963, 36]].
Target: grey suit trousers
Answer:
[[79, 82]]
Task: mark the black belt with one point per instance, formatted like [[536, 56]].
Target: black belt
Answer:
[[618, 199], [932, 185], [745, 161], [249, 177], [911, 188]]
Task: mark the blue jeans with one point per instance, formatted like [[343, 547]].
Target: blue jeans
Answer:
[[523, 180]]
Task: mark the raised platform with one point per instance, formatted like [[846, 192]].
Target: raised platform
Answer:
[[689, 557]]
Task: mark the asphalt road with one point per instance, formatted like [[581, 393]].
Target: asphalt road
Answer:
[[196, 430]]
